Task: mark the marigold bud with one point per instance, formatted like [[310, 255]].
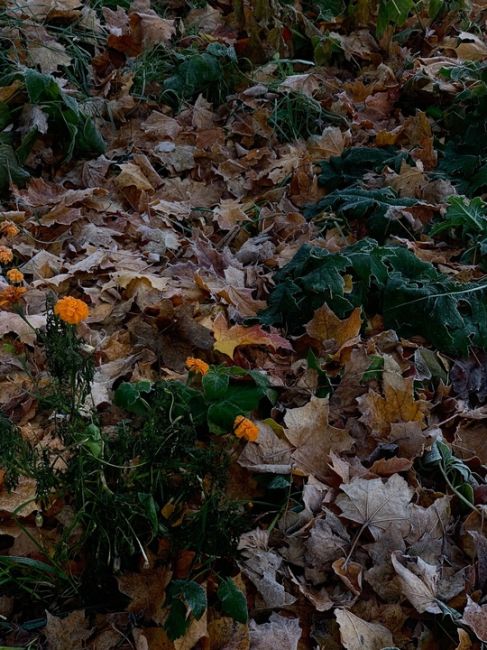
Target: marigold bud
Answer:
[[10, 295], [71, 310], [6, 255], [8, 229], [15, 276], [245, 428], [197, 365]]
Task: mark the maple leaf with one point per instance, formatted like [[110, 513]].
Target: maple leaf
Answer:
[[147, 591], [397, 404], [227, 339], [325, 326], [377, 505], [313, 437]]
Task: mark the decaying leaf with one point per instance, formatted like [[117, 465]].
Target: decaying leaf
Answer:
[[357, 634], [280, 631], [397, 405], [308, 430], [475, 616], [71, 631], [377, 505], [147, 591], [227, 339], [325, 326], [419, 582]]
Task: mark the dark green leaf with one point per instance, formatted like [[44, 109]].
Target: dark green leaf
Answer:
[[191, 593], [215, 385], [232, 600]]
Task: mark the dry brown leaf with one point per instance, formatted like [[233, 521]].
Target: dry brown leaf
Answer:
[[357, 634], [132, 174], [279, 632], [14, 323], [376, 504], [227, 634], [308, 430], [464, 640], [227, 339], [270, 454], [69, 632], [419, 582], [150, 29], [325, 326], [470, 441], [147, 591], [350, 573], [475, 616], [397, 405], [22, 499], [230, 213]]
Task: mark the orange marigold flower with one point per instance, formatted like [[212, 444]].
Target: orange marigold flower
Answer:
[[245, 428], [6, 255], [71, 310], [9, 229], [10, 295], [15, 276], [197, 365]]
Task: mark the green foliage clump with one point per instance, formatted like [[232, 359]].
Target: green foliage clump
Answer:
[[413, 297], [466, 219], [157, 474], [296, 115], [178, 76]]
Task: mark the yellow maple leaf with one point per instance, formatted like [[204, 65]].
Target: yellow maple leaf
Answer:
[[227, 339]]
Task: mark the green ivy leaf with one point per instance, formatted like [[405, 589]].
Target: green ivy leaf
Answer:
[[129, 396], [215, 384], [233, 601], [191, 594]]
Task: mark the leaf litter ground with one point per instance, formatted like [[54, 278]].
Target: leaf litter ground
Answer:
[[295, 189]]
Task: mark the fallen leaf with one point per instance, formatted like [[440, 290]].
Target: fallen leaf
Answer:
[[147, 591], [357, 634], [350, 573], [475, 616], [377, 505], [69, 632], [227, 339], [308, 430], [419, 582], [14, 323], [397, 405], [22, 499], [325, 326], [270, 454], [279, 632]]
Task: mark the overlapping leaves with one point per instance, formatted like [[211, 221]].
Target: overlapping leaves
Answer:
[[410, 294]]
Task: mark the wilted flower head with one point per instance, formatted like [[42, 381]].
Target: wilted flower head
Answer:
[[245, 428], [10, 295], [8, 229], [71, 310], [197, 365], [15, 276], [6, 255]]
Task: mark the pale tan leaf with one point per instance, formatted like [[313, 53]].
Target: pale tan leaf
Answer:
[[308, 430], [69, 632], [357, 634], [376, 504], [475, 616], [419, 582]]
